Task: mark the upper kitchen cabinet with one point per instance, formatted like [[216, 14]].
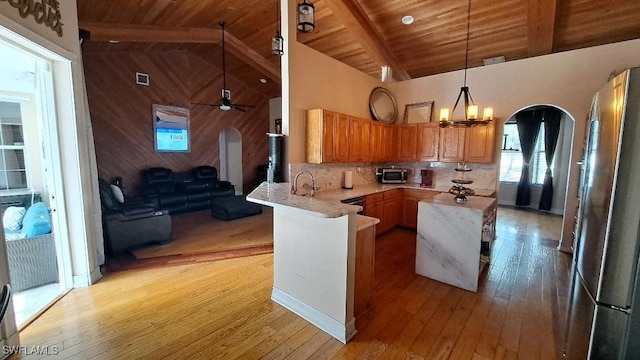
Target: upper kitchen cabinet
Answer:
[[472, 144], [407, 141], [479, 144], [359, 139], [428, 135], [327, 136], [451, 148], [417, 142], [382, 141]]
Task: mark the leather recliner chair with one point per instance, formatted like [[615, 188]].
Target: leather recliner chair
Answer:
[[131, 223], [182, 192]]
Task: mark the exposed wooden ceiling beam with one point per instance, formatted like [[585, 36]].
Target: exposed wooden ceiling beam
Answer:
[[355, 20], [163, 34], [541, 26]]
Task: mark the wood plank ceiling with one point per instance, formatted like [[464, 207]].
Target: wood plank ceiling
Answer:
[[365, 34]]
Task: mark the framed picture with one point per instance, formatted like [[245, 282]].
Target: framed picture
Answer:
[[418, 112], [171, 128]]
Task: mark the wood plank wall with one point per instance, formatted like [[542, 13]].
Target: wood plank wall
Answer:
[[122, 120]]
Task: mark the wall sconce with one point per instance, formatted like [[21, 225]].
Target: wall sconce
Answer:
[[306, 17]]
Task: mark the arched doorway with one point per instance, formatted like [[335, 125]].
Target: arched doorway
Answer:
[[231, 157], [511, 165]]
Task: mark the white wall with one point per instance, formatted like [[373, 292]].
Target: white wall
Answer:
[[275, 112]]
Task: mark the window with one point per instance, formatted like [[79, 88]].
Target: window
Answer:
[[511, 158], [13, 170]]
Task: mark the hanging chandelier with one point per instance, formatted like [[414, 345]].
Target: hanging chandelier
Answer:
[[277, 42], [470, 108]]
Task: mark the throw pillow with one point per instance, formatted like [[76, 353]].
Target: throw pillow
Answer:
[[117, 193], [37, 220], [12, 218]]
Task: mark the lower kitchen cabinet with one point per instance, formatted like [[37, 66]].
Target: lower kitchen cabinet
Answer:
[[365, 258], [374, 207], [386, 207], [410, 199]]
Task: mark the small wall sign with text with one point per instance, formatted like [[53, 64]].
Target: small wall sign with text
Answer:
[[45, 12]]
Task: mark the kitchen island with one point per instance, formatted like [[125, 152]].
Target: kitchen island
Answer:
[[450, 237], [314, 256]]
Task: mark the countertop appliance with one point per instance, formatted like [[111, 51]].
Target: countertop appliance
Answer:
[[603, 319], [392, 175]]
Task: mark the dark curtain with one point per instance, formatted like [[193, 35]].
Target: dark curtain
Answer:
[[528, 123], [551, 130]]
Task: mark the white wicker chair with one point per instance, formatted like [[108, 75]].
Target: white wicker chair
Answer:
[[32, 262]]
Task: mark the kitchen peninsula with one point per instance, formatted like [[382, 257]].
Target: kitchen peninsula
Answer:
[[315, 253], [314, 245]]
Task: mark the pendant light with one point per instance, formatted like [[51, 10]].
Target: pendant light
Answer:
[[470, 108], [306, 16], [277, 42]]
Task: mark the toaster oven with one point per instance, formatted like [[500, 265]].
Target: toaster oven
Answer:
[[392, 175]]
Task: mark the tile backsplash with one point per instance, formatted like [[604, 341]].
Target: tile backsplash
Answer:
[[331, 176]]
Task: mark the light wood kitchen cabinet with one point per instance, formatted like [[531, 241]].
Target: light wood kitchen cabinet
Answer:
[[451, 148], [364, 270], [391, 209], [374, 207], [320, 136], [341, 137], [359, 139], [479, 144], [428, 136], [410, 199], [407, 142], [473, 144], [382, 142]]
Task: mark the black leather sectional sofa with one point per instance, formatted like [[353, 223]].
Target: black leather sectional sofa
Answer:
[[181, 192]]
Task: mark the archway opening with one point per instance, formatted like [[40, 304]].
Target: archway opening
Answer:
[[514, 191], [231, 158]]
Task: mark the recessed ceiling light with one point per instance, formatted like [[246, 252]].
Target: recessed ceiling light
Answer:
[[263, 80], [407, 19], [114, 41]]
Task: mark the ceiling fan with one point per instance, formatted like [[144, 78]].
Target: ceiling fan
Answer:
[[225, 101]]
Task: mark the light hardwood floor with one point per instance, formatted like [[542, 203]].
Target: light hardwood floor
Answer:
[[222, 310]]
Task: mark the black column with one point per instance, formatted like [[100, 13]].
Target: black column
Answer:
[[276, 156]]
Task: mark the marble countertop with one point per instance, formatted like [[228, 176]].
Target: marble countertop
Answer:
[[363, 190], [327, 203], [279, 194], [474, 202], [365, 222]]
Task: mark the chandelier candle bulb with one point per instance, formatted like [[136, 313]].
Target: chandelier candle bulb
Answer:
[[348, 180], [487, 113], [472, 112], [444, 114]]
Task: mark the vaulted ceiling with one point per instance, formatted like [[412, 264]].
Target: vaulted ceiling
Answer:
[[365, 34]]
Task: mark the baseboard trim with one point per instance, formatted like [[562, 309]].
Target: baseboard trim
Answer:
[[342, 332]]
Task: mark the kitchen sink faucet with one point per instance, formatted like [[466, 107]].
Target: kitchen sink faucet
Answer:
[[313, 183]]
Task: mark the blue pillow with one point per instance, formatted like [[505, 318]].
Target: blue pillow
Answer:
[[37, 220]]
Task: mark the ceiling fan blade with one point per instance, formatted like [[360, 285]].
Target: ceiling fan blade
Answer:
[[216, 105], [238, 108], [244, 105]]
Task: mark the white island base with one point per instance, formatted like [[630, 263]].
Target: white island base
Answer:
[[449, 239], [314, 245], [312, 274]]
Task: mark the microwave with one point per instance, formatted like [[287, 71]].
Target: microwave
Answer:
[[392, 175]]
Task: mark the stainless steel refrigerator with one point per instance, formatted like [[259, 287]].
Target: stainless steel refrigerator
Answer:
[[604, 309]]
